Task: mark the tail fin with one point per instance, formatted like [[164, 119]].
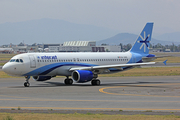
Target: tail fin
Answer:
[[143, 41]]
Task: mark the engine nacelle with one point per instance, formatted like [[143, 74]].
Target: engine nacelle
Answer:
[[41, 78], [82, 76]]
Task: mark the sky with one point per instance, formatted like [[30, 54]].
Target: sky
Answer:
[[121, 15]]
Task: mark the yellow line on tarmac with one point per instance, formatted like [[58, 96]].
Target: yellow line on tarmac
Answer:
[[72, 108], [102, 90]]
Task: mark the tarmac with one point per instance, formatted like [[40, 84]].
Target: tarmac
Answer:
[[156, 93]]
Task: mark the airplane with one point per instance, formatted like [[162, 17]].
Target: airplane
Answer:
[[81, 66]]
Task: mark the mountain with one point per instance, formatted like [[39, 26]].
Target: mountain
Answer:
[[50, 31], [126, 38], [58, 31], [173, 37]]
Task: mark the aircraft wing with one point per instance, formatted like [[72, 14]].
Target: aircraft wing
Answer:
[[111, 66]]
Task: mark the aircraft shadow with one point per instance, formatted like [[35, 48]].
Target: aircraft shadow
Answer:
[[129, 84]]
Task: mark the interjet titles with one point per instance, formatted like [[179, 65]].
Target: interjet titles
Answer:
[[48, 57]]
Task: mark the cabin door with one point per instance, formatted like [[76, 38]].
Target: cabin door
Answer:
[[32, 61]]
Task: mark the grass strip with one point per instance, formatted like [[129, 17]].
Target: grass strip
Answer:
[[170, 59], [152, 71], [4, 75], [77, 116]]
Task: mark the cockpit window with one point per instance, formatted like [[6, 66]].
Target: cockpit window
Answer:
[[21, 60], [12, 60], [16, 60]]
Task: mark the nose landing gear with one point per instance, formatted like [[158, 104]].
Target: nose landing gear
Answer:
[[27, 84]]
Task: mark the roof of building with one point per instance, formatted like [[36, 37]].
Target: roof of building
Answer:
[[77, 43]]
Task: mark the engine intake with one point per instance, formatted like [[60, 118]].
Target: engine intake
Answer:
[[41, 78], [82, 76]]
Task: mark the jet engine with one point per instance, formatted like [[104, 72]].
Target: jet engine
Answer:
[[41, 78], [82, 76]]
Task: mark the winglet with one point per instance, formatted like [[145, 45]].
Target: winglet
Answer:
[[165, 62]]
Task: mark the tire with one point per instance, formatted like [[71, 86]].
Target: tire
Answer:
[[68, 81], [96, 82], [26, 84]]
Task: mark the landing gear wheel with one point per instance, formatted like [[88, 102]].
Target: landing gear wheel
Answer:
[[96, 82], [93, 82], [26, 84], [68, 81]]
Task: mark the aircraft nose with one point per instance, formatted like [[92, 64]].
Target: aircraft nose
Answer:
[[5, 68]]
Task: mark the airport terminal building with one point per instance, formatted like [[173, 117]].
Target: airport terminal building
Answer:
[[70, 46], [80, 46], [77, 46]]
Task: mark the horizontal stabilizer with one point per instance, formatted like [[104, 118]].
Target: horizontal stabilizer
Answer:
[[165, 62]]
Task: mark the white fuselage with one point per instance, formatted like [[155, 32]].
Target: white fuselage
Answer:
[[39, 63]]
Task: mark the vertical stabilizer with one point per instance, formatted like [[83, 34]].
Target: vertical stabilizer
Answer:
[[143, 41]]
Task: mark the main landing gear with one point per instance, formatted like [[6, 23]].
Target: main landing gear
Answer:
[[95, 82], [68, 81], [27, 84]]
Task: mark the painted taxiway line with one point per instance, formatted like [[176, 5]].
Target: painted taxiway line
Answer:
[[72, 108], [145, 85]]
